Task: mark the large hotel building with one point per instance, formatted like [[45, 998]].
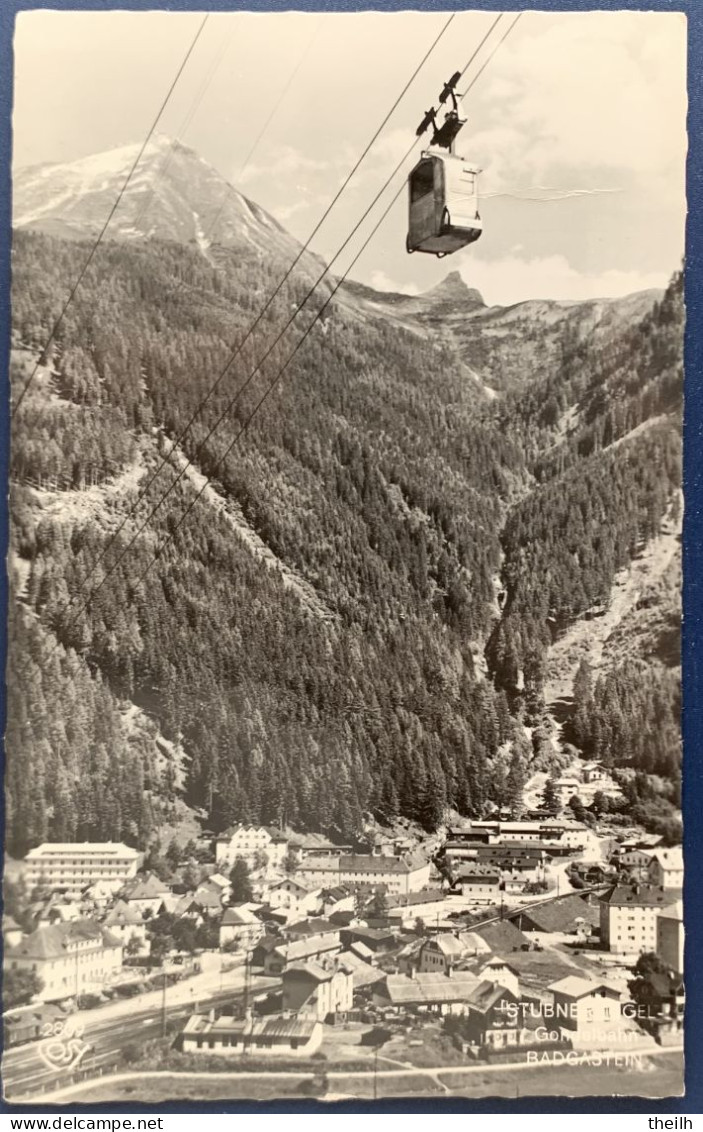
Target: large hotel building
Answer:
[[78, 864]]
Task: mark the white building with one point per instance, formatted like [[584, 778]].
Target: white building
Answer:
[[250, 842], [125, 923], [273, 1036], [290, 895], [318, 989], [400, 875], [583, 1007], [70, 959], [666, 867], [78, 864], [628, 917], [240, 926]]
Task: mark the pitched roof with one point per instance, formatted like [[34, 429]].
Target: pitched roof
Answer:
[[309, 945], [574, 987], [620, 895], [55, 941], [430, 988], [669, 858], [486, 995], [561, 915], [363, 974], [360, 949], [502, 936], [449, 945], [145, 888], [240, 917], [314, 971], [422, 896], [478, 871], [474, 943], [122, 915]]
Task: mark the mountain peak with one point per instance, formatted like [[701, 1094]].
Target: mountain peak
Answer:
[[453, 289]]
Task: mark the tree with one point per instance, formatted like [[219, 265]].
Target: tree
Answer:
[[173, 854], [642, 988], [514, 786], [191, 876], [550, 795], [379, 902], [134, 945], [20, 987], [578, 808], [241, 884]]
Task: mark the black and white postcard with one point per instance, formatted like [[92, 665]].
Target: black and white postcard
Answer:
[[343, 745]]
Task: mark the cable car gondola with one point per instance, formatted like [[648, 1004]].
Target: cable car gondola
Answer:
[[443, 188]]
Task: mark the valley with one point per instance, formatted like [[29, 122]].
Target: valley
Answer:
[[380, 604]]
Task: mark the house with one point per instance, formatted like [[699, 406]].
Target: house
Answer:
[[528, 863], [364, 974], [427, 992], [666, 868], [253, 843], [337, 899], [361, 951], [502, 936], [208, 901], [219, 884], [299, 929], [147, 894], [493, 1021], [427, 904], [583, 1006], [376, 939], [77, 864], [567, 788], [70, 959], [670, 937], [125, 923], [273, 1036], [318, 989], [57, 910], [399, 875], [478, 882], [634, 862], [628, 917], [313, 947], [240, 927], [101, 893], [291, 895], [498, 971], [441, 953], [593, 772], [567, 915]]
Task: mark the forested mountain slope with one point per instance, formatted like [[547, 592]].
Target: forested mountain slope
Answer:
[[309, 636]]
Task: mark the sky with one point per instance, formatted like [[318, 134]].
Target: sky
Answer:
[[578, 124]]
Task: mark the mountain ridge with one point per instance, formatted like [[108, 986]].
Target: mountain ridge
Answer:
[[383, 475]]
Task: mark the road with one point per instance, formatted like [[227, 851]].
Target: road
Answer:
[[109, 1031]]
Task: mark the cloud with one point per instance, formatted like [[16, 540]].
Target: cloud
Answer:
[[593, 92], [286, 161], [381, 282], [514, 279]]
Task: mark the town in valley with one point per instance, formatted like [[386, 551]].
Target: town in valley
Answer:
[[548, 941]]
